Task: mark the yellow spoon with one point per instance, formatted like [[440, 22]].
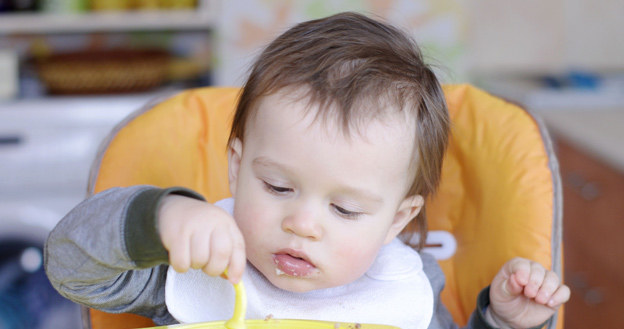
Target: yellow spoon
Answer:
[[240, 308]]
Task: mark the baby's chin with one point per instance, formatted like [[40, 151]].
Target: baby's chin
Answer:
[[300, 284]]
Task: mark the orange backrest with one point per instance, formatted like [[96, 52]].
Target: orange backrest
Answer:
[[499, 195]]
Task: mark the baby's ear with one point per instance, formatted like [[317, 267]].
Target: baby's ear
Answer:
[[408, 210], [235, 152]]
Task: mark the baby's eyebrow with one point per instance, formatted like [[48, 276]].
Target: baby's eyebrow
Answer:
[[265, 163], [364, 195], [262, 161]]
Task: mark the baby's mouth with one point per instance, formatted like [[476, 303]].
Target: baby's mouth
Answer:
[[293, 263]]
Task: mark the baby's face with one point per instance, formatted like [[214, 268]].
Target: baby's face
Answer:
[[315, 206]]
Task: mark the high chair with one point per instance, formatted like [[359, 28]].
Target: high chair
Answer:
[[500, 194]]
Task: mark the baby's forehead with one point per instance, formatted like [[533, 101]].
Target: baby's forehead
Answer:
[[358, 120], [282, 126]]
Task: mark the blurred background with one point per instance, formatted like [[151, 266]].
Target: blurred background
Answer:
[[71, 69]]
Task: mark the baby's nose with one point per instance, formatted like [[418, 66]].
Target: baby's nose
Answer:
[[303, 223]]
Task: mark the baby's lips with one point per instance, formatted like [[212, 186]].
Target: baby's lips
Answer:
[[293, 266]]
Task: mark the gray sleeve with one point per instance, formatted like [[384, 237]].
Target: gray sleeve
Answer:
[[441, 318], [106, 252]]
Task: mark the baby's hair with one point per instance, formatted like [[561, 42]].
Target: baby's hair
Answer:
[[354, 69]]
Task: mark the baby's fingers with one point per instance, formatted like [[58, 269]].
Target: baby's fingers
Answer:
[[237, 263], [514, 276], [238, 258], [179, 257], [536, 279], [227, 251], [520, 268], [220, 252], [511, 286], [549, 285], [200, 250], [561, 295]]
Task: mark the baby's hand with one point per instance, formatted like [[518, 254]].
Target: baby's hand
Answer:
[[200, 235], [524, 294]]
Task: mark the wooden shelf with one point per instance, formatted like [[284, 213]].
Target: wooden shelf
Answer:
[[201, 18]]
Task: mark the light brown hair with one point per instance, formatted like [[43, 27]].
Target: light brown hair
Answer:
[[349, 60]]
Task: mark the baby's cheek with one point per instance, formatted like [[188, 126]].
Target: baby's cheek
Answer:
[[248, 219], [357, 259]]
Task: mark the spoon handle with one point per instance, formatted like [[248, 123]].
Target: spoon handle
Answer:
[[240, 308]]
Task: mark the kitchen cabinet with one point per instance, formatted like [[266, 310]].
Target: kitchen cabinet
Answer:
[[593, 220], [47, 145]]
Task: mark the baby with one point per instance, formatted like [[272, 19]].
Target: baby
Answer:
[[337, 140]]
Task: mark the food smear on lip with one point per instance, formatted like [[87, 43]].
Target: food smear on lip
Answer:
[[292, 266]]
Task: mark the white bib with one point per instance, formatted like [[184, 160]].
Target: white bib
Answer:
[[394, 291]]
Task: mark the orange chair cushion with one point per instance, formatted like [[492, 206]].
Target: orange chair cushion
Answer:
[[103, 320], [181, 141], [496, 194]]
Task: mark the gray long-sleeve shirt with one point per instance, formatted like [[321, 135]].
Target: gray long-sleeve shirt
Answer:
[[106, 254]]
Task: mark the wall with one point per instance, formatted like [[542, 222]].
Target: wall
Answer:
[[245, 26], [464, 37], [533, 36]]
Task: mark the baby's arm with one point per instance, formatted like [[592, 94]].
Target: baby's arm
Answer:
[[524, 294], [106, 253]]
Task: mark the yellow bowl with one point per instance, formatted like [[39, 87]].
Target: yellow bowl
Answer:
[[238, 320], [279, 324]]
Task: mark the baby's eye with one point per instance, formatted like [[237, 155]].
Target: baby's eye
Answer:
[[342, 212], [279, 190]]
